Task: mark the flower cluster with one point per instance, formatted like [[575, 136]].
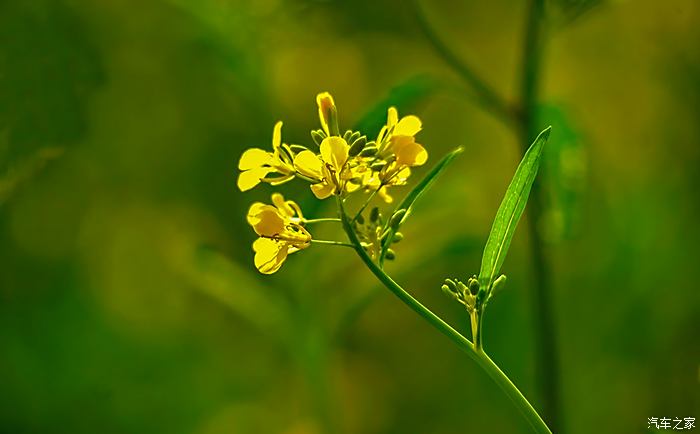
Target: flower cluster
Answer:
[[335, 165]]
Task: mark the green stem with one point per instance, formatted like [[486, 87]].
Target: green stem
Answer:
[[485, 95], [369, 199], [547, 363], [332, 243], [463, 343], [321, 220]]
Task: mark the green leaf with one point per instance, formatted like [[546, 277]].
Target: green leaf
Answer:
[[510, 211], [417, 191]]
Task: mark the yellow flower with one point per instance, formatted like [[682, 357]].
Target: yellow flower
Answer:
[[329, 169], [256, 164], [280, 231], [397, 138]]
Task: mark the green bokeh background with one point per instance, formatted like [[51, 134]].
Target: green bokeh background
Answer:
[[128, 298]]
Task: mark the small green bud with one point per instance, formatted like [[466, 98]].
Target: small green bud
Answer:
[[397, 237], [354, 136], [390, 255], [450, 285], [347, 135], [357, 146], [374, 215], [498, 284], [317, 136], [379, 165], [298, 148], [473, 285], [449, 293], [462, 287], [395, 221], [368, 151], [360, 219]]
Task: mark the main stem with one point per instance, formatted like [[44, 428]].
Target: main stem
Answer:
[[547, 364], [480, 357]]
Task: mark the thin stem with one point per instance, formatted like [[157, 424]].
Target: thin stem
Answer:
[[547, 363], [485, 95], [321, 220], [332, 243], [369, 199], [463, 343]]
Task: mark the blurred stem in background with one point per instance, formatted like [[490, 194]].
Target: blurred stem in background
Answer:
[[522, 118]]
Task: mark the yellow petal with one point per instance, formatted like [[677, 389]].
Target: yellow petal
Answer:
[[281, 205], [269, 255], [408, 126], [268, 222], [253, 212], [277, 135], [278, 180], [384, 194], [308, 164], [250, 178], [392, 117], [254, 158], [334, 151], [322, 190], [408, 152]]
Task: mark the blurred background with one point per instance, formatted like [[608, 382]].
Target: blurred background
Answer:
[[129, 302]]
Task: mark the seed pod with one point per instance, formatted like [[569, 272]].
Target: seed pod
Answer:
[[390, 255], [357, 146], [368, 151], [317, 136]]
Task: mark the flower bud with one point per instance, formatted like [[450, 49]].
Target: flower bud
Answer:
[[298, 148], [357, 146], [390, 255], [369, 151], [328, 114], [473, 285], [395, 221], [374, 215], [317, 136], [379, 165], [347, 135], [354, 136], [397, 237]]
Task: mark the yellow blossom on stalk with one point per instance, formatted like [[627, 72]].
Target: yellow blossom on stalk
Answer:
[[256, 164], [280, 230], [397, 138], [328, 169]]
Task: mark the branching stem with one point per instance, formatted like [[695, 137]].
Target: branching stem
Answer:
[[479, 356]]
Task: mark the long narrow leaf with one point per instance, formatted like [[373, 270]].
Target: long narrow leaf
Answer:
[[419, 189], [510, 211]]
